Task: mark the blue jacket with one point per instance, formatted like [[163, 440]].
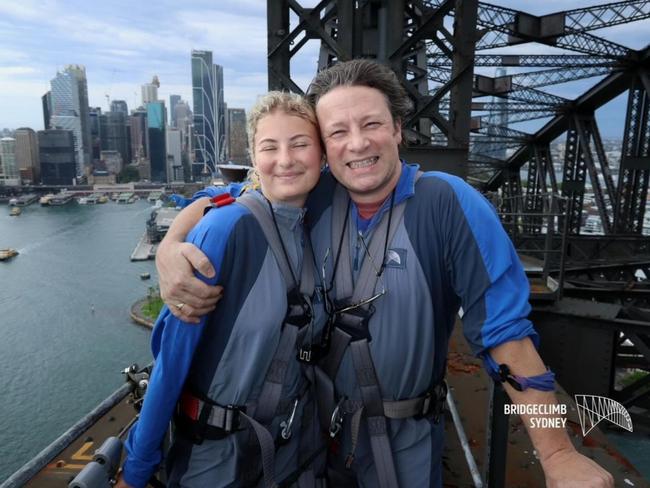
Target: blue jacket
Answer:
[[226, 356], [450, 254]]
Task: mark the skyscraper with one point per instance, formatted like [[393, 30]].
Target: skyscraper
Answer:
[[174, 162], [139, 135], [150, 91], [46, 100], [173, 101], [157, 148], [237, 139], [57, 154], [27, 155], [120, 106], [10, 174], [70, 110], [94, 113], [113, 134], [209, 118]]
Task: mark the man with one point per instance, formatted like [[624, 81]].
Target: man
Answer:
[[401, 252]]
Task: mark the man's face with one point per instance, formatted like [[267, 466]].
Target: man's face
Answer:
[[361, 139]]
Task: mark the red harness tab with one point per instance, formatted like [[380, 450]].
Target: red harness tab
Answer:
[[189, 405], [222, 200]]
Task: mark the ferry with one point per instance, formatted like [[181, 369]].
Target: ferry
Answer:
[[61, 199], [127, 197], [102, 199], [45, 199], [154, 195], [15, 211], [23, 200], [7, 254]]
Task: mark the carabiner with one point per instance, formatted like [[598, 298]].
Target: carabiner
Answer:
[[336, 421], [286, 424]]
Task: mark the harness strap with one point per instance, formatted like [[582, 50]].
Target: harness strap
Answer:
[[373, 405], [298, 316], [261, 213]]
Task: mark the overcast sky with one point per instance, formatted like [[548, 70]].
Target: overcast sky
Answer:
[[123, 43]]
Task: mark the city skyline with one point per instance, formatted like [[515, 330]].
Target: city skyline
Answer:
[[124, 44]]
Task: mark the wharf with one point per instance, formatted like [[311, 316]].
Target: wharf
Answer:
[[145, 250]]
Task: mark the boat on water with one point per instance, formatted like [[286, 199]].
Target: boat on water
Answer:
[[23, 200], [59, 199], [126, 197], [154, 196], [82, 200], [45, 199], [102, 199], [7, 254], [15, 211]]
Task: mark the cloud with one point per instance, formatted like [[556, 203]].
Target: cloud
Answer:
[[17, 70]]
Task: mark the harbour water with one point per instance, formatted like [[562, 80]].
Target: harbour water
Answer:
[[64, 318]]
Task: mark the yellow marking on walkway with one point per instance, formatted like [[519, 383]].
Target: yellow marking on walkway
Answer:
[[81, 455]]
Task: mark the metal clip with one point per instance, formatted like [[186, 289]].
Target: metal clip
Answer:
[[286, 424], [336, 421]]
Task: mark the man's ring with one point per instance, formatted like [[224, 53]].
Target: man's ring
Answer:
[[180, 306]]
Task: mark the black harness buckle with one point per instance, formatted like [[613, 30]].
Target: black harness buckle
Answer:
[[434, 402]]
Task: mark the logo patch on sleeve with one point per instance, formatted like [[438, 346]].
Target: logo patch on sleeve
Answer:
[[396, 258]]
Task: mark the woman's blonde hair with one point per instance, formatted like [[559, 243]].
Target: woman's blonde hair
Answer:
[[289, 103]]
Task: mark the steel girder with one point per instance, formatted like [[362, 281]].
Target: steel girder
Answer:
[[529, 60], [632, 188], [394, 32]]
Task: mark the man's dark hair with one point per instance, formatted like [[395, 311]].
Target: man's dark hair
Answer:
[[363, 72]]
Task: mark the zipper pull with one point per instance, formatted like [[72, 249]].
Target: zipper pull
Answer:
[[356, 253]]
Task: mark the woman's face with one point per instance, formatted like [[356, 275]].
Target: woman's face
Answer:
[[287, 156]]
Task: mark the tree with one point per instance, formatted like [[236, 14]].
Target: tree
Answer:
[[128, 174]]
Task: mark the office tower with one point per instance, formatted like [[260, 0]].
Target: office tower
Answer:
[[497, 118], [174, 161], [139, 135], [112, 161], [173, 101], [120, 106], [10, 173], [156, 123], [27, 155], [56, 149], [209, 118], [94, 114], [46, 100], [113, 134], [70, 110], [150, 91], [237, 139]]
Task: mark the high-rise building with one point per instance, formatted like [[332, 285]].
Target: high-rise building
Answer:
[[174, 161], [94, 114], [27, 155], [150, 91], [113, 134], [70, 110], [46, 100], [120, 106], [173, 101], [497, 118], [10, 173], [156, 124], [209, 117], [139, 135], [237, 139], [56, 149]]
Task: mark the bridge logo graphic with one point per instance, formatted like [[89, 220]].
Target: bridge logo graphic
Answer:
[[592, 409]]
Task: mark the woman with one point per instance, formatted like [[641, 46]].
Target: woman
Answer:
[[234, 380]]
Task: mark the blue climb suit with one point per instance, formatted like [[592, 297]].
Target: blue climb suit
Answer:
[[225, 358], [449, 253]]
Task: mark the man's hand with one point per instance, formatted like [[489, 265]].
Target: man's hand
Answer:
[[567, 468], [187, 297]]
